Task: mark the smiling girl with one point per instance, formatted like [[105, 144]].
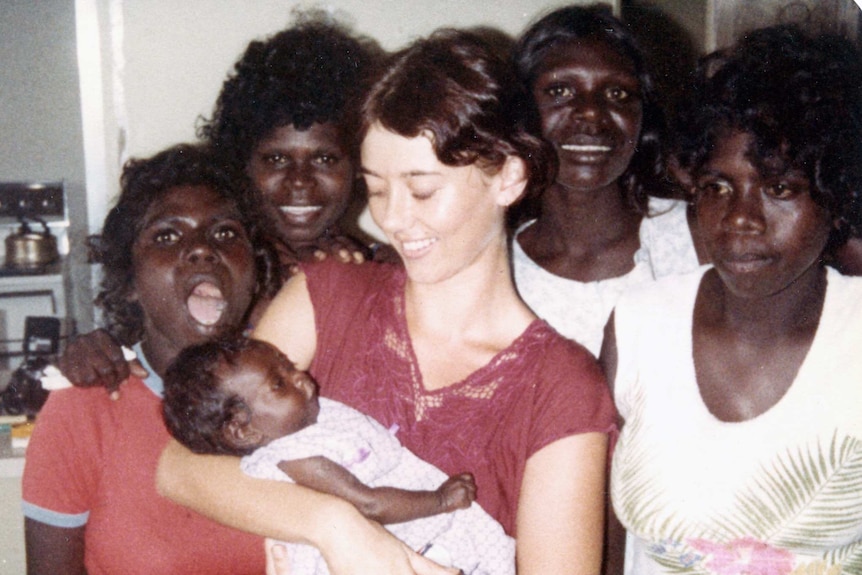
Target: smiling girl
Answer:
[[740, 383], [287, 116]]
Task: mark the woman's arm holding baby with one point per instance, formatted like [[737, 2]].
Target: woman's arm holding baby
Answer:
[[216, 487], [383, 504]]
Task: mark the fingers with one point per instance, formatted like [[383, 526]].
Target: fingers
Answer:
[[424, 566], [94, 359], [277, 562]]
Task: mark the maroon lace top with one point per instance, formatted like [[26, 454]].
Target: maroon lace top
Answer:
[[541, 388]]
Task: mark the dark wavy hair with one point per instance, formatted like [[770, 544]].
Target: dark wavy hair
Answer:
[[146, 181], [455, 86], [645, 174], [313, 72], [800, 98], [196, 407]]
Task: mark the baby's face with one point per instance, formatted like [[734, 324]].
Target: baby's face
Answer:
[[282, 399]]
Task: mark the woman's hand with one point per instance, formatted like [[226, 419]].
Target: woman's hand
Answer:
[[342, 247], [406, 562], [96, 359]]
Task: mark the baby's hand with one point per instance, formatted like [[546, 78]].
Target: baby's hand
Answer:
[[457, 492]]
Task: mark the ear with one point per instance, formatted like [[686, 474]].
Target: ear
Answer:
[[240, 435], [513, 180]]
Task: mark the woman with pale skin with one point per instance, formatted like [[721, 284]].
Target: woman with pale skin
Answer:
[[441, 347]]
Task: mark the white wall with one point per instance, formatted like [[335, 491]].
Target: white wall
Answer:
[[40, 116]]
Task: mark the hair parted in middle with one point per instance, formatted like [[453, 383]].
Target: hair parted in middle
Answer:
[[645, 175], [454, 87]]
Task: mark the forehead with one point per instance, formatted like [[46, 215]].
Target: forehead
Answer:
[[318, 135], [591, 54], [738, 149], [191, 200], [387, 153]]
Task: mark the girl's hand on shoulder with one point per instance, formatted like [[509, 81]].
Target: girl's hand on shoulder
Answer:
[[96, 359], [342, 247]]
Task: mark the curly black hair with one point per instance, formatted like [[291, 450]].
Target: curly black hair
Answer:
[[196, 407], [145, 181], [645, 174], [800, 98], [313, 72]]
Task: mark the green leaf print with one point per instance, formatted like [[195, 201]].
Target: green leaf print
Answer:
[[806, 500]]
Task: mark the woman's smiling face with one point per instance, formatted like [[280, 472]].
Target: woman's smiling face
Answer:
[[588, 96], [440, 219], [307, 178]]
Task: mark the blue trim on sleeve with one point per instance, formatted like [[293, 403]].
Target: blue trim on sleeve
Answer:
[[153, 381], [50, 517]]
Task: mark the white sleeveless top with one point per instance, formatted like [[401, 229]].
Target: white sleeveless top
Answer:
[[579, 310], [779, 494]]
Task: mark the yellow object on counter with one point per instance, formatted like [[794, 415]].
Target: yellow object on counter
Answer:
[[23, 430]]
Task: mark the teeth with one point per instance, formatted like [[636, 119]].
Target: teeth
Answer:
[[585, 148], [417, 245], [300, 210]]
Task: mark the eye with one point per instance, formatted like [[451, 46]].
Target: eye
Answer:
[[326, 159], [617, 94], [788, 189], [713, 189], [423, 193], [275, 159], [165, 237], [374, 191], [228, 232], [559, 92]]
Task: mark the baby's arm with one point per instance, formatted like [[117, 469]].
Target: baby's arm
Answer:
[[382, 504]]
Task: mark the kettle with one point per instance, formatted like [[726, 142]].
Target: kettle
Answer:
[[30, 249]]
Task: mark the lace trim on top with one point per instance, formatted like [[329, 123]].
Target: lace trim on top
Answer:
[[482, 384]]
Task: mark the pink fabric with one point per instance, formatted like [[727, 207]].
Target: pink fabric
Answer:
[[540, 389], [89, 453]]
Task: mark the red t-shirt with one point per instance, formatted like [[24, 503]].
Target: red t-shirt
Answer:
[[92, 461], [541, 388]]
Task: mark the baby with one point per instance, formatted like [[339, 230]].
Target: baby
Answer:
[[242, 396]]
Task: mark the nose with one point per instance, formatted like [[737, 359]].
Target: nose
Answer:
[[392, 211], [300, 175], [201, 250], [584, 105], [745, 212]]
